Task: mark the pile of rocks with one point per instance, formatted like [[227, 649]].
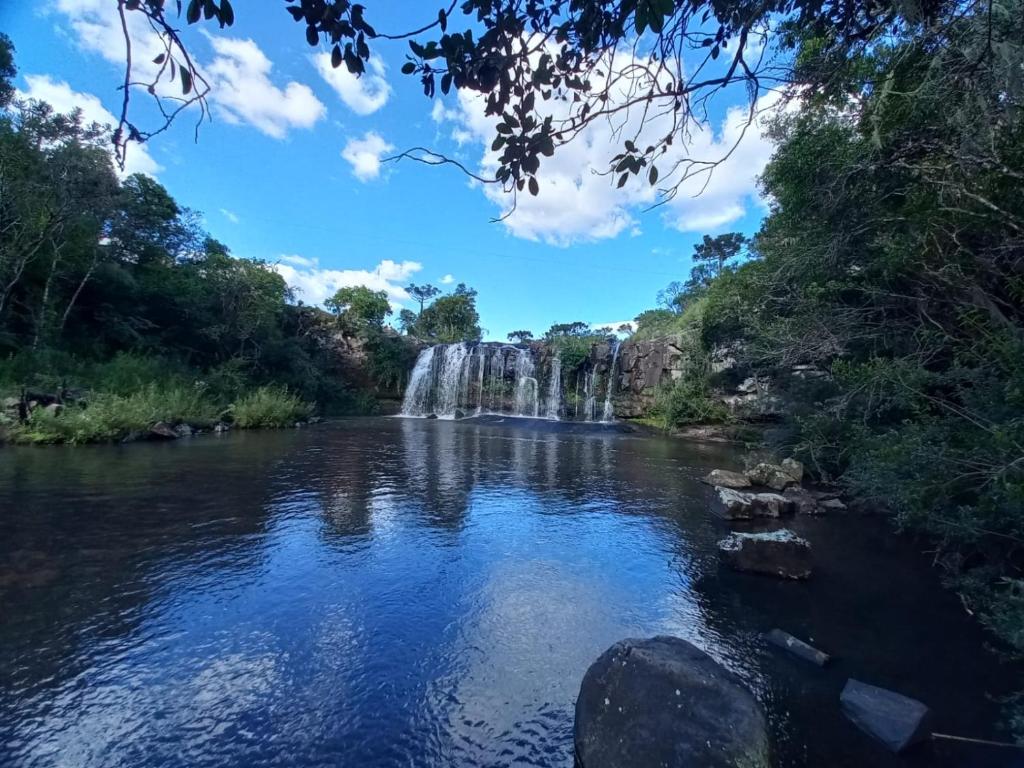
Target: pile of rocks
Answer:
[[769, 491]]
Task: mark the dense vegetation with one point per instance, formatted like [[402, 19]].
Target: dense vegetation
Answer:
[[116, 304], [893, 262]]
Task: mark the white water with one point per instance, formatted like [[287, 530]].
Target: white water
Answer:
[[609, 409], [554, 401]]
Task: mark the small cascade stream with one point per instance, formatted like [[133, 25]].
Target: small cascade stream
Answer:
[[609, 409]]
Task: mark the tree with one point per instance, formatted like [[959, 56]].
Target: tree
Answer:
[[422, 293], [360, 306], [520, 337], [576, 328], [407, 321], [7, 70], [717, 251], [548, 69], [451, 318], [625, 329]]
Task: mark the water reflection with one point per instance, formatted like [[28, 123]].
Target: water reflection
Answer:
[[397, 592]]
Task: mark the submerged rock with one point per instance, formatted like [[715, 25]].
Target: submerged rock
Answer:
[[740, 505], [797, 647], [896, 720], [771, 475], [778, 553], [723, 478], [662, 701]]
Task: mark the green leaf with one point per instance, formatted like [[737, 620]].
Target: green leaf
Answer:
[[622, 180], [534, 186], [227, 14], [652, 176], [192, 14], [442, 19], [160, 59], [408, 68], [186, 81], [312, 37]]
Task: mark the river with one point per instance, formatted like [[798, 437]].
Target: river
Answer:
[[409, 592]]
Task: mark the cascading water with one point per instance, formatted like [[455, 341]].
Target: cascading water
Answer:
[[590, 394], [554, 400], [609, 409], [417, 394], [525, 398]]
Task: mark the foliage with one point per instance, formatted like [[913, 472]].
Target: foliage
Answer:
[[451, 318], [389, 359], [269, 406], [360, 307], [520, 337], [422, 293], [563, 330]]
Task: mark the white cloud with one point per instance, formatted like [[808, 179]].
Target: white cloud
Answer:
[[363, 95], [59, 95], [578, 202], [313, 284], [365, 155], [230, 215], [98, 30], [242, 91], [447, 280]]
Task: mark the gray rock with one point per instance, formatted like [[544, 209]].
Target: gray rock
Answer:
[[779, 553], [771, 475], [220, 427], [663, 702], [793, 468], [726, 479], [743, 505], [797, 647], [802, 502], [52, 409], [832, 505], [162, 431], [896, 720], [184, 430]]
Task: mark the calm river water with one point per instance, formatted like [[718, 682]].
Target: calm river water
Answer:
[[396, 592]]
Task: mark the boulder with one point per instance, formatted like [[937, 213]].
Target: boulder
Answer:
[[743, 505], [778, 553], [183, 430], [663, 702], [896, 720], [771, 475], [52, 409], [10, 403], [793, 468], [797, 647], [162, 431], [832, 505], [801, 501], [220, 427], [723, 478]]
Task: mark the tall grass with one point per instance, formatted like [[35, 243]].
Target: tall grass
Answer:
[[269, 407]]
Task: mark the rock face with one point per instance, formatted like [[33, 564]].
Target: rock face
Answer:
[[896, 720], [725, 479], [642, 367], [664, 702], [744, 505], [779, 553]]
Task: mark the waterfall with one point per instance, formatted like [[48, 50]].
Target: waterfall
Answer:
[[525, 398], [417, 394], [482, 365], [554, 400], [609, 410], [590, 394]]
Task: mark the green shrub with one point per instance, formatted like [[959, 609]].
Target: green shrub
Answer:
[[269, 407], [687, 401]]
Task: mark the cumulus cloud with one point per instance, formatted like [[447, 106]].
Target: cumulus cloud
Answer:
[[447, 280], [243, 92], [578, 202], [59, 95], [363, 95], [365, 155], [312, 284]]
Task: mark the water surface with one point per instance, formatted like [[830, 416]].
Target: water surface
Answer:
[[400, 592]]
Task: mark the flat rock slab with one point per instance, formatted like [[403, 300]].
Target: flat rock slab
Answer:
[[771, 475], [723, 478], [797, 647], [664, 702], [779, 553], [896, 720]]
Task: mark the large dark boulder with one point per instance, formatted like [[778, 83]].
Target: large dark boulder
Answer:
[[777, 553], [664, 702], [896, 720]]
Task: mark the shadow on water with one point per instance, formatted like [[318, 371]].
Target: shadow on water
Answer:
[[401, 591]]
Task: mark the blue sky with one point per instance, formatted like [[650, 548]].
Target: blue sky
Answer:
[[288, 171]]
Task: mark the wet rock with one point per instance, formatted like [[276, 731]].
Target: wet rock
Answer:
[[431, 416], [793, 468], [802, 502], [162, 431], [460, 414], [896, 720], [832, 505], [797, 647], [725, 479], [742, 505], [664, 702], [778, 553], [183, 430], [771, 475], [220, 428]]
